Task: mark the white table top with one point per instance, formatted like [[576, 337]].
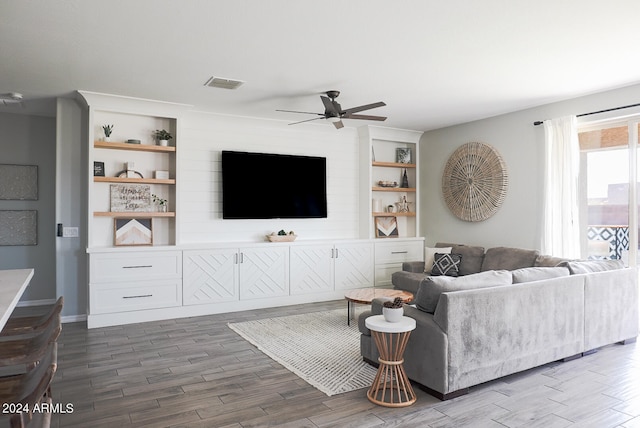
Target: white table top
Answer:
[[12, 285], [377, 323]]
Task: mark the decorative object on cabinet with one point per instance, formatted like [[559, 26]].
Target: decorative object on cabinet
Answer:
[[474, 182], [403, 205], [98, 169], [108, 129], [386, 227], [162, 137], [133, 141], [19, 182], [403, 155], [18, 227], [282, 236], [161, 204], [386, 183], [405, 179], [133, 231], [130, 198], [129, 171]]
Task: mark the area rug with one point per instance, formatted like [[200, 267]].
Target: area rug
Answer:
[[319, 347]]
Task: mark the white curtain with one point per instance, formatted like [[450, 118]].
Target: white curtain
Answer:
[[561, 225]]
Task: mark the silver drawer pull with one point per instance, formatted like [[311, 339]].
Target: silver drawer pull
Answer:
[[137, 297], [137, 267], [399, 252]]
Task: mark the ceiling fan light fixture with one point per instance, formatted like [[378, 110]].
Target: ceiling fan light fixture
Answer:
[[333, 119], [223, 83]]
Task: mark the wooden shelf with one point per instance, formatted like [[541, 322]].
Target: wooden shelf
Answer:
[[393, 164], [134, 147], [393, 189], [134, 180], [132, 214], [410, 214]]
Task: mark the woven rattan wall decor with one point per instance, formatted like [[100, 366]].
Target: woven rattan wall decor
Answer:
[[474, 183]]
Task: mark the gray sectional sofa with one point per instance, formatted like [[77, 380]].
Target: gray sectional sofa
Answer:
[[509, 310]]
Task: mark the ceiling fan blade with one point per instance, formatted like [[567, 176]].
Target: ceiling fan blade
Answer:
[[338, 124], [329, 106], [364, 107], [308, 120], [303, 112], [364, 117]]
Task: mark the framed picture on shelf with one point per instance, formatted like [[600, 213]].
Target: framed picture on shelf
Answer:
[[387, 227], [130, 198], [98, 169], [403, 155], [133, 231]]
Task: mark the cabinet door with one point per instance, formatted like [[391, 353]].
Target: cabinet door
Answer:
[[354, 265], [311, 268], [210, 276], [264, 272]]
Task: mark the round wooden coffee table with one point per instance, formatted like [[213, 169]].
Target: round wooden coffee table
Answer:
[[366, 295]]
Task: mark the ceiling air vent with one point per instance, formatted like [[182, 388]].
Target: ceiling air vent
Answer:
[[221, 82]]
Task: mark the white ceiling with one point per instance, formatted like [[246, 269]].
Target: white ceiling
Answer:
[[435, 63]]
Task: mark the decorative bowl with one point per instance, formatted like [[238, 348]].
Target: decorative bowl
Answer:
[[133, 141], [387, 183], [281, 238]]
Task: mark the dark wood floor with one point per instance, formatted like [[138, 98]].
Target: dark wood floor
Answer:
[[196, 372]]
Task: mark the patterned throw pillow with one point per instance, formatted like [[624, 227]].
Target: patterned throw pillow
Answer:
[[446, 264]]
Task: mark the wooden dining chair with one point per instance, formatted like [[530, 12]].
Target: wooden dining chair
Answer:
[[27, 390], [28, 350], [32, 324]]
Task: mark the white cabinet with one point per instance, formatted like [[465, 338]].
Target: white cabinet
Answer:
[[136, 280], [229, 274], [326, 267], [391, 253], [210, 276]]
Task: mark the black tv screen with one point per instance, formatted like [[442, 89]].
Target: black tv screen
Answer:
[[265, 185]]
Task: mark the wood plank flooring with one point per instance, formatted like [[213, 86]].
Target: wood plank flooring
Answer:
[[196, 372]]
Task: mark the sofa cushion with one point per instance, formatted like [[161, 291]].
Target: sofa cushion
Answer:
[[472, 257], [408, 281], [588, 266], [432, 287], [549, 261], [446, 264], [508, 258], [429, 255], [538, 273]]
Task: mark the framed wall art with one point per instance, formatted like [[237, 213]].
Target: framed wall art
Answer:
[[18, 227], [133, 231], [386, 227], [130, 198], [19, 182]]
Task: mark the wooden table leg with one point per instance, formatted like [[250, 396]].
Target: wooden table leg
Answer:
[[391, 387]]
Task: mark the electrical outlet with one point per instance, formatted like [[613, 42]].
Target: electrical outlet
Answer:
[[69, 232]]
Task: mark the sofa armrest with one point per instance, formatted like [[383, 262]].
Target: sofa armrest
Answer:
[[416, 266]]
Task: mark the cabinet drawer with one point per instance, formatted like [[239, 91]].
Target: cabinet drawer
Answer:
[[135, 265], [398, 252], [131, 296]]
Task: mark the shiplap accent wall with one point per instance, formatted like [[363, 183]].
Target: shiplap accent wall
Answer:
[[203, 136]]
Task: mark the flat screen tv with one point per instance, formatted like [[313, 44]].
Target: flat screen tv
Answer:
[[266, 185]]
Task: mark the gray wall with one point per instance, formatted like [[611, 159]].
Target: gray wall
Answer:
[[518, 222], [31, 140]]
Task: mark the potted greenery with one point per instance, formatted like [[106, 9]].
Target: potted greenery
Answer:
[[162, 137], [393, 310], [108, 129], [161, 203]]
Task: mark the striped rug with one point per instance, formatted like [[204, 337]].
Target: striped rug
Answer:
[[319, 347]]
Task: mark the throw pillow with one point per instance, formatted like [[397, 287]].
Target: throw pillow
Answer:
[[446, 264], [590, 266], [538, 273], [432, 287], [429, 255]]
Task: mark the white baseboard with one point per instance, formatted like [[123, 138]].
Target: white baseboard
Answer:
[[36, 303], [73, 318]]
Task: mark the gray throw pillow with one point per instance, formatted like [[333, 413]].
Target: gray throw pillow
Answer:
[[588, 266], [431, 288], [538, 273], [446, 264]]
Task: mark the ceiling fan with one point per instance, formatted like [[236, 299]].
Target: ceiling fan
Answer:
[[11, 98], [333, 111]]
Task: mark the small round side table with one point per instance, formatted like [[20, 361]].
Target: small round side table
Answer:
[[391, 387]]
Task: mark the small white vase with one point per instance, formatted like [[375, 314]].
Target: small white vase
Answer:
[[392, 314], [163, 142], [107, 139]]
